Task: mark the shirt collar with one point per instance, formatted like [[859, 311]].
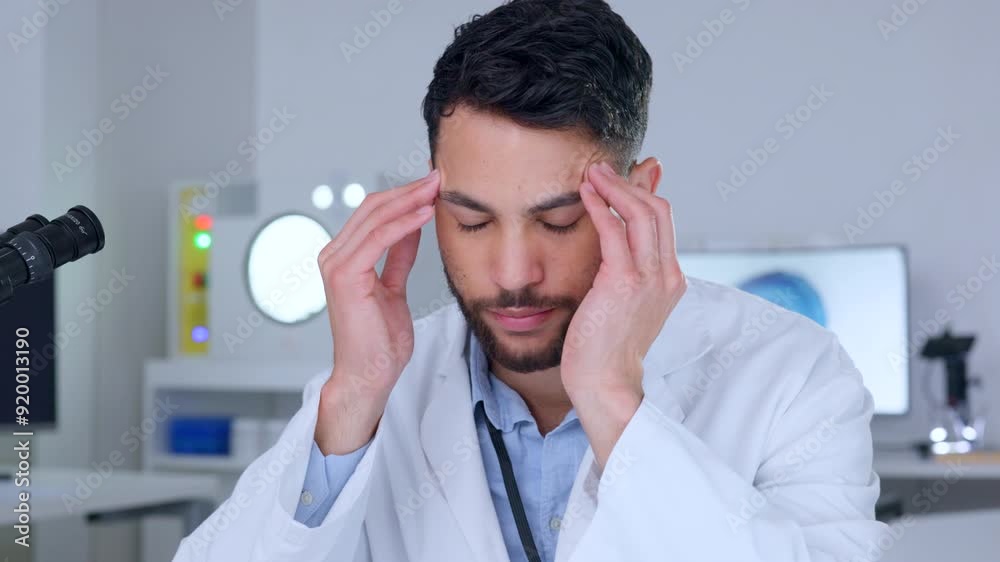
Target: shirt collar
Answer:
[[504, 406]]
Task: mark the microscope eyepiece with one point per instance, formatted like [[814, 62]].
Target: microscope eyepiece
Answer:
[[32, 249]]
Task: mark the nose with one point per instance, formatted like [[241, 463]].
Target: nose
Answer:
[[515, 264]]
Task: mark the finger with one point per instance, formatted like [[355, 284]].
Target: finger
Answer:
[[423, 194], [610, 230], [383, 237], [640, 219], [400, 261], [665, 231], [387, 213], [369, 205], [665, 227]]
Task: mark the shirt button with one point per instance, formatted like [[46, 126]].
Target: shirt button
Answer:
[[555, 523], [306, 498]]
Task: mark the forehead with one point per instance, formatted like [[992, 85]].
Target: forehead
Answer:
[[493, 159]]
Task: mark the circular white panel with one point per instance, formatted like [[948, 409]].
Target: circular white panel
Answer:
[[282, 274], [353, 195], [322, 197]]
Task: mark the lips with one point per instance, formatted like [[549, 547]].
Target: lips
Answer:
[[521, 319], [519, 312]]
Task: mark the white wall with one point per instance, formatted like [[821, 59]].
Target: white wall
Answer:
[[20, 153]]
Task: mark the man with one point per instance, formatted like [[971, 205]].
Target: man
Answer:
[[583, 400]]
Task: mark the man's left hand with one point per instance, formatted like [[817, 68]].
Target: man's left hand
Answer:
[[638, 284]]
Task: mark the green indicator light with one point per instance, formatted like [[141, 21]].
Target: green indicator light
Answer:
[[203, 240]]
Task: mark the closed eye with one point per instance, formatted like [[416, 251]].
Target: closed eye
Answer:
[[560, 229], [550, 227], [472, 227]]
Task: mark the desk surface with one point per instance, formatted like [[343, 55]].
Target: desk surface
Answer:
[[76, 492], [966, 536], [909, 465]]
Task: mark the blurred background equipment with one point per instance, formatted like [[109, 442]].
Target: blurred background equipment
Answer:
[[246, 323], [244, 278], [30, 251], [861, 293], [961, 428], [32, 309]]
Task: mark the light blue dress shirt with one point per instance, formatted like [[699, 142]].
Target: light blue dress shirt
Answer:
[[545, 467]]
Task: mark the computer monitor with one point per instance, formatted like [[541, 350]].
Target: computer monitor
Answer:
[[858, 292], [27, 324]]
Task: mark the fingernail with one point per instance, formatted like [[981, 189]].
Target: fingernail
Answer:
[[433, 175], [608, 170]]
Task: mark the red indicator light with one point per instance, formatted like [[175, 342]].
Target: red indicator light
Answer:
[[203, 222]]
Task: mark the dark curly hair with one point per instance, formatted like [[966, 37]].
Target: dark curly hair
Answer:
[[549, 64]]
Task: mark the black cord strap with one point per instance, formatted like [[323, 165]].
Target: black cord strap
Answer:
[[509, 482]]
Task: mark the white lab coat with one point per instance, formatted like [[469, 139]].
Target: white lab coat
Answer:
[[752, 444]]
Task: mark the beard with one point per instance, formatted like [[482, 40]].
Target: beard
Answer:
[[546, 356]]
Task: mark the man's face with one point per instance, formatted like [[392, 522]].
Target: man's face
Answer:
[[533, 246]]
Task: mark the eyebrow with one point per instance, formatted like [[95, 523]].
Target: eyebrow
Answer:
[[561, 200]]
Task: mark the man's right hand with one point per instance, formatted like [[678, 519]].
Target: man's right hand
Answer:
[[369, 317]]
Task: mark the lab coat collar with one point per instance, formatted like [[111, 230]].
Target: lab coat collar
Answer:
[[684, 339], [449, 437]]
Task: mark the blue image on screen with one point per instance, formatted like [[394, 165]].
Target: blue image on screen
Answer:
[[790, 291]]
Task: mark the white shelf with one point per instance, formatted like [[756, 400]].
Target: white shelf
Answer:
[[124, 490], [264, 389], [234, 375], [197, 463]]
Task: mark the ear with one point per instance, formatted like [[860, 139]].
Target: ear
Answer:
[[646, 174]]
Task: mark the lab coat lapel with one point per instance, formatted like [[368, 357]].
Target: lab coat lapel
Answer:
[[450, 442], [683, 339]]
